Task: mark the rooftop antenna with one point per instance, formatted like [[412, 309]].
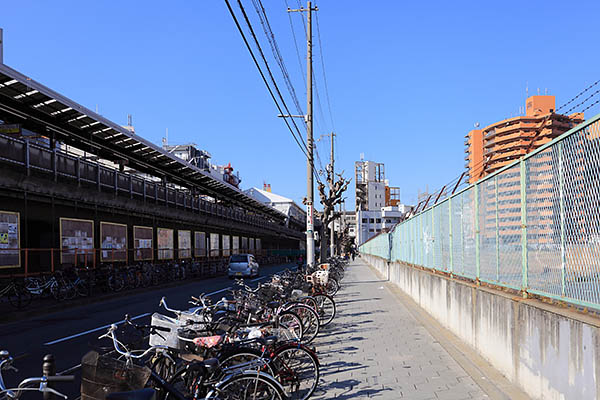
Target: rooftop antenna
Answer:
[[362, 156], [538, 91], [96, 108], [129, 120]]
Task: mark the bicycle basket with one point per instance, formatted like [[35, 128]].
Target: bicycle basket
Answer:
[[168, 339], [101, 375], [320, 277]]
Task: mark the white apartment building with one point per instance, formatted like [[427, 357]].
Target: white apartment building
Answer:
[[378, 205]]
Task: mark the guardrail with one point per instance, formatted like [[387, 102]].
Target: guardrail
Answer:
[[60, 164], [34, 261], [533, 226]]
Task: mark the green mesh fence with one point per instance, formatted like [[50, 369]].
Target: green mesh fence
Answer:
[[532, 226]]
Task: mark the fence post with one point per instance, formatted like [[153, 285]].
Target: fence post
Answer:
[[450, 235], [477, 264], [462, 233], [26, 267], [561, 188], [433, 263], [523, 228], [497, 233]]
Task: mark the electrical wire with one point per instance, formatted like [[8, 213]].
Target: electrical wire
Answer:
[[300, 143], [296, 43], [264, 20], [323, 70], [576, 97]]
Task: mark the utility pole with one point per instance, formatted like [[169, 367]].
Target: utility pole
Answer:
[[310, 229], [1, 48], [332, 238]]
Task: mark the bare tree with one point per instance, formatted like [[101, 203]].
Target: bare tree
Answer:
[[337, 187]]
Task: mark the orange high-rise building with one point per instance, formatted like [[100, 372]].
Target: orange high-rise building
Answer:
[[501, 143]]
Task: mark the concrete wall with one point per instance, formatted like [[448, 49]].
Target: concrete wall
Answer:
[[551, 353]]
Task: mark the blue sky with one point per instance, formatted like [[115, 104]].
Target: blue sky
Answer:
[[406, 80]]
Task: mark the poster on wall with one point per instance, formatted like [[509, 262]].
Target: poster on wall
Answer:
[[214, 244], [113, 241], [200, 244], [164, 241], [142, 243], [226, 246], [184, 243], [9, 239], [76, 241], [235, 245]]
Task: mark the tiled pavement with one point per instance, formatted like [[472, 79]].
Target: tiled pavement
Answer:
[[375, 348]]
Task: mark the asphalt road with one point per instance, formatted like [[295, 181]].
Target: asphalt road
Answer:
[[69, 334]]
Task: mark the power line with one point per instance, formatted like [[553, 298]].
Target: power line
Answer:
[[264, 20], [296, 44], [584, 101], [300, 143], [323, 70], [580, 93]]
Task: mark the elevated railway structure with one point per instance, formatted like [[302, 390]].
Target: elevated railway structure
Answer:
[[116, 182]]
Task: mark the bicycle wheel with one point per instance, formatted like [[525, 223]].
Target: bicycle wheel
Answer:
[[116, 283], [293, 323], [297, 369], [332, 286], [239, 356], [188, 382], [326, 308], [310, 320], [82, 288], [18, 296], [248, 385]]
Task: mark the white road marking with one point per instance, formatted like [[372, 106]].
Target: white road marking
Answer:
[[91, 330], [258, 279], [219, 291]]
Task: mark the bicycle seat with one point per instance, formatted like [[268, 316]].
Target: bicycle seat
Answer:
[[142, 394], [273, 304], [208, 341], [269, 340], [211, 364]]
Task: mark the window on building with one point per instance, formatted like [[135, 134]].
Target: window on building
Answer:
[[388, 220], [378, 230], [364, 220], [371, 230], [372, 220], [378, 220]]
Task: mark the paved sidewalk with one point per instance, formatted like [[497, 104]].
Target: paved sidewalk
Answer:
[[376, 348]]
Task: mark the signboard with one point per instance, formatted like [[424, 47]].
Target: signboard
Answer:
[[10, 256], [164, 241], [226, 246], [214, 244], [235, 245], [10, 129], [113, 241], [309, 218], [184, 244], [142, 243], [200, 244], [76, 241]]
